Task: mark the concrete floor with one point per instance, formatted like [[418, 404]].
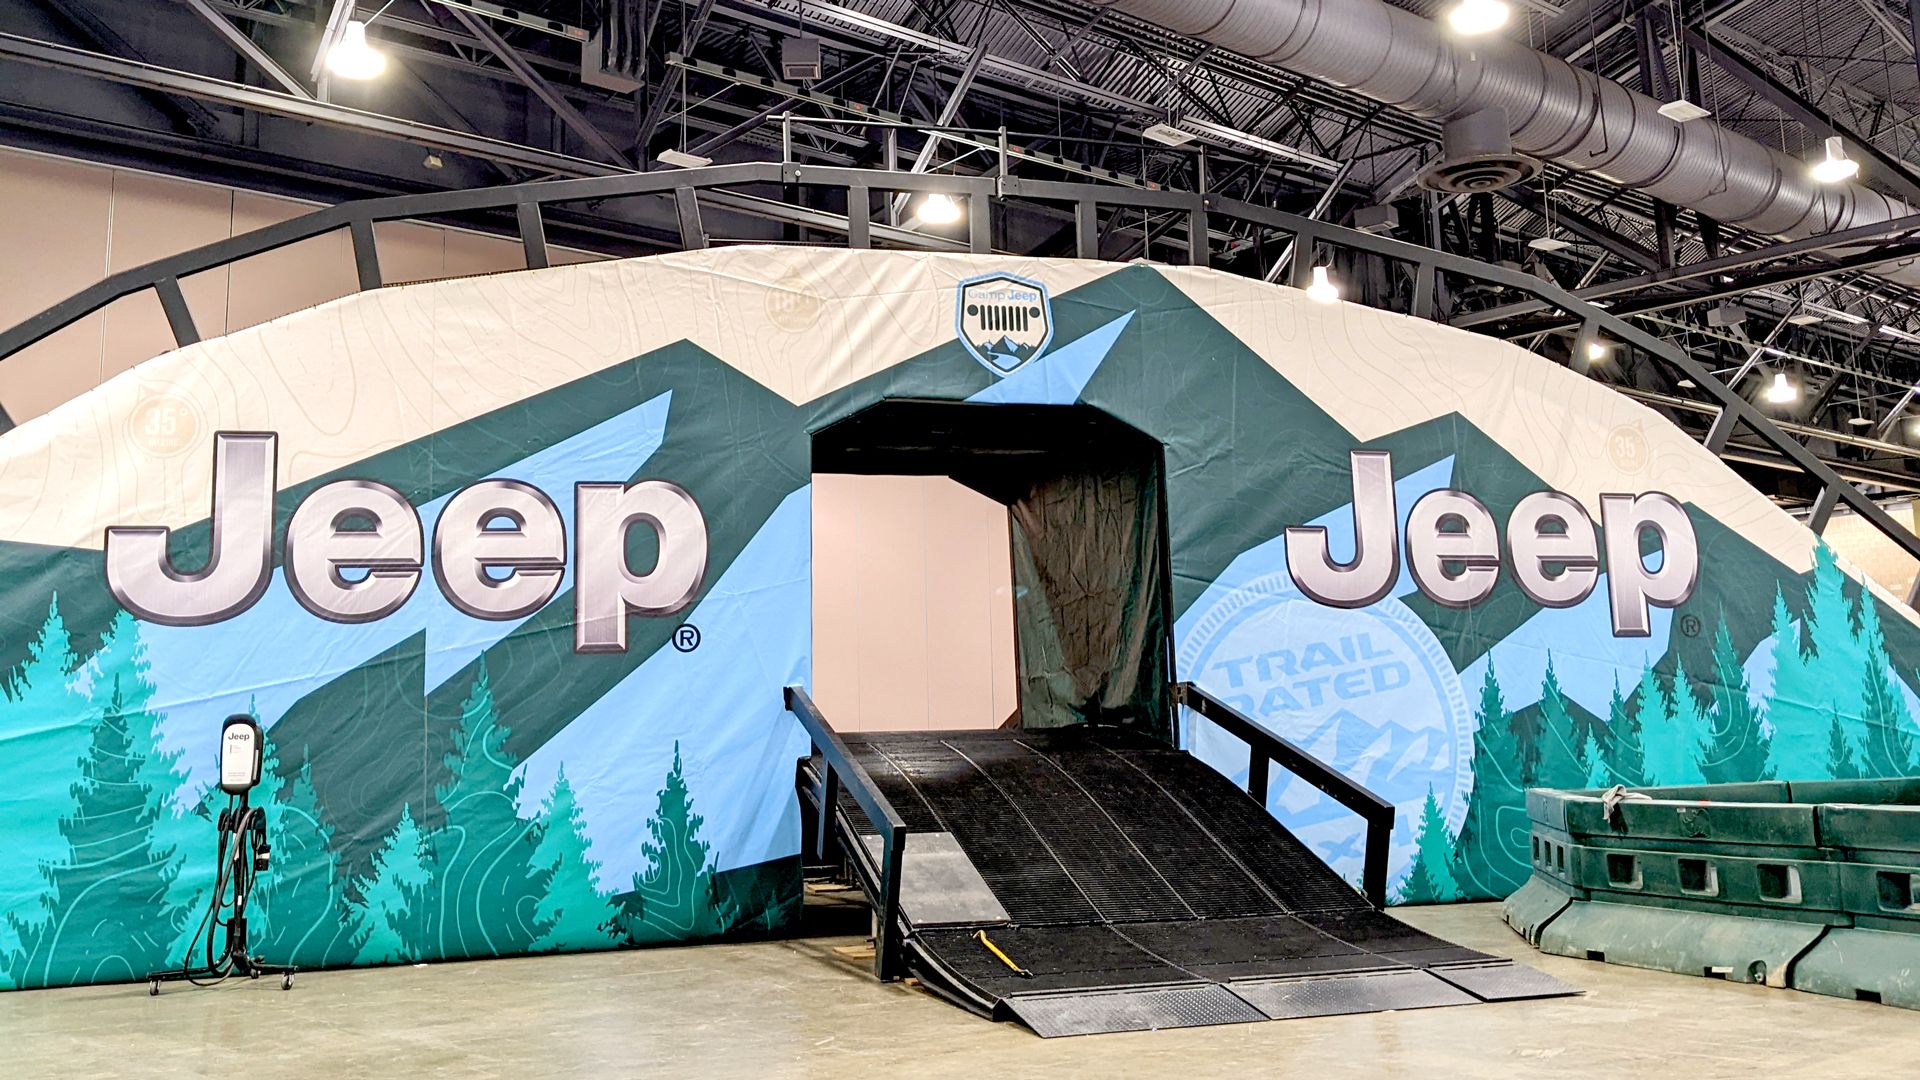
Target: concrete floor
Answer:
[[807, 1008]]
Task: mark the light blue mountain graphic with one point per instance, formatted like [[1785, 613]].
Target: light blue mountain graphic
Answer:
[[721, 703], [276, 652], [1061, 376], [1586, 655]]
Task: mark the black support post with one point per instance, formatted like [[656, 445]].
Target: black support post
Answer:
[[179, 318], [1086, 229], [693, 233], [533, 236], [366, 256]]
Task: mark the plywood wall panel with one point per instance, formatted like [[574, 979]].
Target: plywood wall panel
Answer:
[[292, 278], [154, 217], [913, 613], [55, 228], [76, 222]]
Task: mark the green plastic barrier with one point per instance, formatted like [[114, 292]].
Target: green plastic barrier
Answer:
[[1813, 885]]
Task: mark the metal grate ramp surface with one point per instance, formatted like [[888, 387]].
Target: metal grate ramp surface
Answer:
[[1138, 889]]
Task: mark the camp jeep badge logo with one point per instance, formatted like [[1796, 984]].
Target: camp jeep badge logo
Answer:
[[1005, 321]]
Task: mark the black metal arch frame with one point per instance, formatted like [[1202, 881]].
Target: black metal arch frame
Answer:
[[983, 196]]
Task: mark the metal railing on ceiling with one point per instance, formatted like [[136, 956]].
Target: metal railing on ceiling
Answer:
[[1201, 213]]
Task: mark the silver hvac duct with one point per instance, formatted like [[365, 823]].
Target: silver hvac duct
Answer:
[[1555, 110]]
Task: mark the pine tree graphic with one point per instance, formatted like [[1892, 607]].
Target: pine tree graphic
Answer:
[[1486, 862], [1653, 713], [1887, 729], [1431, 879], [1526, 742], [1594, 757], [1737, 747], [45, 730], [1559, 754], [673, 899], [300, 904], [574, 914], [385, 914], [1817, 672], [1673, 746], [484, 884], [1842, 763], [1625, 748], [104, 915]]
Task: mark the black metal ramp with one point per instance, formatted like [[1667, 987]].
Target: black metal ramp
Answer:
[[1086, 880]]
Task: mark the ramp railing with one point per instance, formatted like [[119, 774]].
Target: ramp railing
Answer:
[[838, 771], [1265, 749]]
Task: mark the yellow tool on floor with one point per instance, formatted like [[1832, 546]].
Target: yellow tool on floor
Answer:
[[981, 937]]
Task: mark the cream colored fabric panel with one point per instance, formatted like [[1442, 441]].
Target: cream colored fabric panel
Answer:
[[351, 378], [835, 317], [1377, 373], [913, 605]]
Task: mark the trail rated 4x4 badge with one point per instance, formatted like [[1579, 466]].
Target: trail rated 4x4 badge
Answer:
[[1006, 322]]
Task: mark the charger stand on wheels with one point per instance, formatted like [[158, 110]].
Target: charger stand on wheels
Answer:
[[243, 853]]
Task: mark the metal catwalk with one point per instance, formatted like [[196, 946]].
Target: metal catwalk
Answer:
[[1085, 880]]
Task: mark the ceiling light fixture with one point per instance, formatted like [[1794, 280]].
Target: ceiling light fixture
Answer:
[[1323, 290], [352, 58], [939, 209], [680, 159], [1474, 17], [1168, 135], [1836, 167], [1782, 391]]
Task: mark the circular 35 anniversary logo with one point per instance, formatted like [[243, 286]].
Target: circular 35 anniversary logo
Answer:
[[163, 425]]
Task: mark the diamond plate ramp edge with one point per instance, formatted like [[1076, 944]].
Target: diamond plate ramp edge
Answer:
[[1054, 1015], [1504, 981], [1341, 995]]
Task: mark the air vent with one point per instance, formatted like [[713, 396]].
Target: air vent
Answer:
[[800, 59], [1477, 154]]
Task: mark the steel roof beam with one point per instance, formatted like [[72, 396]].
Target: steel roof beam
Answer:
[[542, 89], [240, 95], [1726, 264], [662, 99], [1586, 228], [1889, 170], [186, 114], [248, 48]]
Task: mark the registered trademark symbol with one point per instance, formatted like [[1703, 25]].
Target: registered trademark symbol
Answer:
[[687, 637], [1690, 625]]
